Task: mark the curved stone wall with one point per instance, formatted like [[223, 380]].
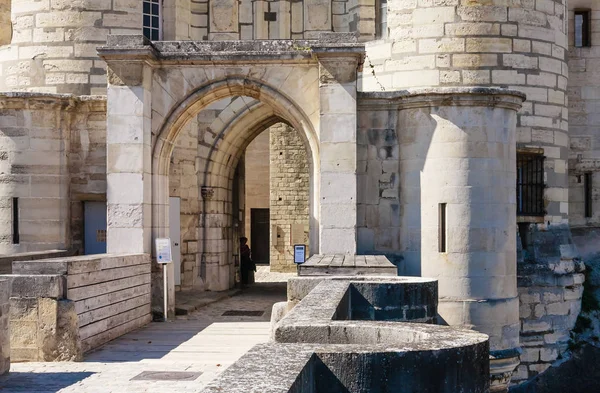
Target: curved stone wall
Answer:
[[457, 192], [519, 44], [53, 47], [36, 159]]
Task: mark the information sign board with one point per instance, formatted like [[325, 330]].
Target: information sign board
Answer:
[[299, 253], [163, 250]]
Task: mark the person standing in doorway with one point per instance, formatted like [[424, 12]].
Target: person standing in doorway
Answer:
[[246, 264]]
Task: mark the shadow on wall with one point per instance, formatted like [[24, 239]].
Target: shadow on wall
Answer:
[[580, 374], [391, 155], [39, 381]]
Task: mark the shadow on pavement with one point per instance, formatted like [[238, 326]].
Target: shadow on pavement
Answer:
[[40, 382]]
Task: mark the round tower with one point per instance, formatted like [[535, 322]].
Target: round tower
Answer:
[[53, 45], [519, 45]]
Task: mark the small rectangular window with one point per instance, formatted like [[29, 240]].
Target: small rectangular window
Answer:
[[587, 196], [15, 228], [152, 19], [582, 28], [381, 19], [442, 227], [530, 184]]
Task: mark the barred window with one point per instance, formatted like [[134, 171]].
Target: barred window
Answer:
[[530, 184], [151, 15]]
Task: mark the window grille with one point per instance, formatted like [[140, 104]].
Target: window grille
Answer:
[[582, 28], [151, 15], [530, 184]]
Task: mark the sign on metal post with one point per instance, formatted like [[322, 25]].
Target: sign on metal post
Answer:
[[163, 250], [299, 253], [163, 256]]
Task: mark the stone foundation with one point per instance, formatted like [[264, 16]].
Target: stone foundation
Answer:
[[4, 326], [550, 284]]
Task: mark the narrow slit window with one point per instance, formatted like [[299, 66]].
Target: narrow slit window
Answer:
[[582, 28], [587, 197], [381, 19], [15, 228], [442, 227], [151, 14]]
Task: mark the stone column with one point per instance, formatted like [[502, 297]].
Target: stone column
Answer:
[[337, 91], [128, 145], [458, 148]]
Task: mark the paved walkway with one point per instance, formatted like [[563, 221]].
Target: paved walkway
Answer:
[[203, 342]]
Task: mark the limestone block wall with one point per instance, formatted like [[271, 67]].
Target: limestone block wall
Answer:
[[34, 145], [289, 196], [7, 260], [520, 45], [53, 46], [109, 294], [87, 162], [256, 162], [53, 157], [5, 325], [279, 19], [183, 183], [584, 119], [43, 324], [378, 205]]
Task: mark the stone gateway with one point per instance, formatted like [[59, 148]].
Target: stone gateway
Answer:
[[458, 140]]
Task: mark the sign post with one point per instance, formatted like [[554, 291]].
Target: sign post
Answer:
[[164, 257]]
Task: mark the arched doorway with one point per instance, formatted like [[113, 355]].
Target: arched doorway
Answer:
[[155, 91]]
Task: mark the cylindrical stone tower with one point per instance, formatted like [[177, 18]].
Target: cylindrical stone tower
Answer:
[[520, 45], [457, 147], [53, 46]]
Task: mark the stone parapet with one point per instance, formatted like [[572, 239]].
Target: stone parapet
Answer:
[[331, 341], [6, 261], [64, 307]]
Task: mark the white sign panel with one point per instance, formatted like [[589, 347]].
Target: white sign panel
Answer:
[[163, 251], [299, 253]]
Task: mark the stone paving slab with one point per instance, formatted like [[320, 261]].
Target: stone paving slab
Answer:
[[203, 341]]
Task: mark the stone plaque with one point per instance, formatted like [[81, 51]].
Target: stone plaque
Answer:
[[224, 16], [317, 15]]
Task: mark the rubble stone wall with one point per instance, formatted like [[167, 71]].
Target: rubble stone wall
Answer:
[[289, 196]]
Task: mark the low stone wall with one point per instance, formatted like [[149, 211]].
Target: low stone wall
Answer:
[[362, 334], [43, 325], [104, 296], [4, 326], [7, 260]]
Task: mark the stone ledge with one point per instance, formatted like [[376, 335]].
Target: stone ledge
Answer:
[[441, 96], [46, 101], [128, 47]]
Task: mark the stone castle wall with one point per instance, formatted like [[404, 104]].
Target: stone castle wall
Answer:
[[584, 119], [247, 19], [289, 196], [53, 156], [256, 161], [521, 46], [53, 47]]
